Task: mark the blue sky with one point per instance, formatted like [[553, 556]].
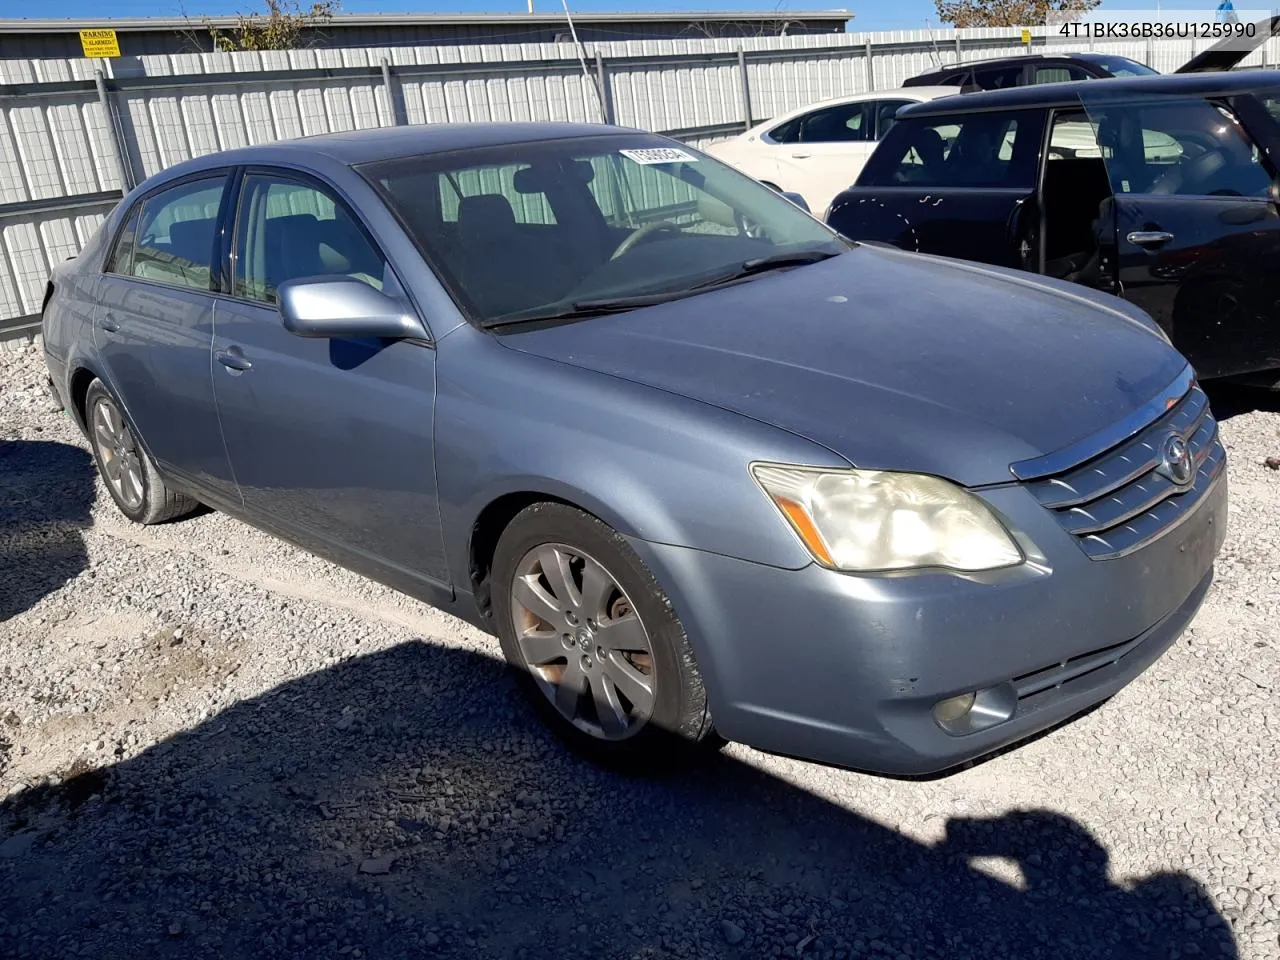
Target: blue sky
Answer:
[[871, 14]]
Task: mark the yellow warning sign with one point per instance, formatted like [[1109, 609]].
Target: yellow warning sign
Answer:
[[99, 43], [1026, 37]]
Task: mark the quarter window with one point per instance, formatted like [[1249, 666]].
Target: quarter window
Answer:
[[289, 229], [169, 238]]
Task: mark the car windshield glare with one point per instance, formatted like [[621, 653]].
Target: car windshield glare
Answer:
[[525, 231]]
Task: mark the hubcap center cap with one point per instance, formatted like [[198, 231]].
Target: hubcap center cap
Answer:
[[583, 636]]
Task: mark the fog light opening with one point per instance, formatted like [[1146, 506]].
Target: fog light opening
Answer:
[[953, 709], [968, 713]]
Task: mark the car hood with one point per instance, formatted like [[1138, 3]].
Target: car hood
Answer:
[[894, 361]]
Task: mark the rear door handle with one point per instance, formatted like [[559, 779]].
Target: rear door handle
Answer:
[[801, 156], [1149, 238], [110, 324], [233, 359]]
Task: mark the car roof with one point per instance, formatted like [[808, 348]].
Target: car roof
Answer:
[[1003, 61], [389, 143], [1068, 93], [920, 93]]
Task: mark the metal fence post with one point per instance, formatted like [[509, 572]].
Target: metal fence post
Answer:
[[746, 89], [398, 117], [871, 69], [123, 165], [959, 52], [602, 84]]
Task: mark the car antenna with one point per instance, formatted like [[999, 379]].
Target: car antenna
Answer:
[[582, 58]]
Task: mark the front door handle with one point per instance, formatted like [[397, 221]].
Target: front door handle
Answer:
[[233, 359], [1149, 238], [110, 324], [801, 156]]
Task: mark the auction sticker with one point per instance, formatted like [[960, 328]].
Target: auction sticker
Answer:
[[658, 155]]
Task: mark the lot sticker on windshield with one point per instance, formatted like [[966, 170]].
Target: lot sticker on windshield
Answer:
[[658, 155]]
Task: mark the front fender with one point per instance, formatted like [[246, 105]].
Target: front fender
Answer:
[[652, 465]]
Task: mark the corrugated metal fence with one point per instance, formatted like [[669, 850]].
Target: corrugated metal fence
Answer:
[[76, 133]]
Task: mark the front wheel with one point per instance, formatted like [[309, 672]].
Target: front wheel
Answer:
[[594, 638]]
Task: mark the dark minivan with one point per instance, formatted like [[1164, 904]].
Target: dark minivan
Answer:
[[1159, 189]]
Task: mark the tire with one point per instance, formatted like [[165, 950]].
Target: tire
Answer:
[[127, 471], [615, 729]]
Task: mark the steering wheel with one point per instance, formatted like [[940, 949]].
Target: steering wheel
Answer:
[[629, 244]]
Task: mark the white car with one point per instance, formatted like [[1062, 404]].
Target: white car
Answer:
[[820, 149]]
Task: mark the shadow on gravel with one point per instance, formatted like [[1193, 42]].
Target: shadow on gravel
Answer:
[[46, 491], [406, 804], [1228, 399]]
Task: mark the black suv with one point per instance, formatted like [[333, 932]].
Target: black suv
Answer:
[[1030, 69], [1159, 189]]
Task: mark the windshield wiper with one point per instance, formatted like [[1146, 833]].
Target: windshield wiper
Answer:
[[582, 309], [775, 262]]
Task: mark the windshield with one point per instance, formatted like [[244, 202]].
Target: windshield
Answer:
[[533, 230], [1123, 67]]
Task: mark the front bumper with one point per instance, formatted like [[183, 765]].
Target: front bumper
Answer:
[[846, 669]]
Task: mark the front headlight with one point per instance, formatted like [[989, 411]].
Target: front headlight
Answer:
[[869, 520]]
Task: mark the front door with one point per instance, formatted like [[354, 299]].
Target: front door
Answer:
[[1197, 231], [330, 439], [154, 329]]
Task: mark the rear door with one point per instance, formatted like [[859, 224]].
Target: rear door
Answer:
[[1196, 226], [153, 328], [822, 152], [959, 185], [331, 440]]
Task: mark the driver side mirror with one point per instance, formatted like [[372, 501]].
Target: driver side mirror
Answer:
[[344, 308], [797, 199]]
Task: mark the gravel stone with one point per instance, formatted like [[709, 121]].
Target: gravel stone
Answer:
[[233, 786]]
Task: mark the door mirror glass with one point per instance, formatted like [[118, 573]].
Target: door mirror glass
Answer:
[[344, 308]]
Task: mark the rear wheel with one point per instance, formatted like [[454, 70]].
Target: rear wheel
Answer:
[[129, 474], [594, 638]]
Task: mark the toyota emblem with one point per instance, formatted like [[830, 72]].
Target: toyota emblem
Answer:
[[1177, 461]]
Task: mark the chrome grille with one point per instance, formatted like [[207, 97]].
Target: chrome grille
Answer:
[[1120, 500]]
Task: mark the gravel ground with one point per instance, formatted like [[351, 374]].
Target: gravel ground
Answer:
[[212, 744]]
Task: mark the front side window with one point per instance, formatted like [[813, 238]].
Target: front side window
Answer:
[[289, 229], [1177, 147], [626, 216], [169, 238], [886, 114], [978, 150]]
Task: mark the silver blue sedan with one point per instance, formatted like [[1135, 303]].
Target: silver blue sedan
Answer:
[[705, 467]]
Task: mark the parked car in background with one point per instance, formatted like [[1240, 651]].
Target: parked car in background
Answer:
[[1029, 69], [1159, 189], [702, 465], [819, 149]]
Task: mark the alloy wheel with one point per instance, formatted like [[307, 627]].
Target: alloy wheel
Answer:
[[583, 641], [121, 462]]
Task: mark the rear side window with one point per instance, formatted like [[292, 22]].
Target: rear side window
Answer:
[[998, 78], [977, 150], [1055, 73], [1190, 147], [169, 237]]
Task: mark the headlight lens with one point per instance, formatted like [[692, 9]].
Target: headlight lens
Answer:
[[869, 520]]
